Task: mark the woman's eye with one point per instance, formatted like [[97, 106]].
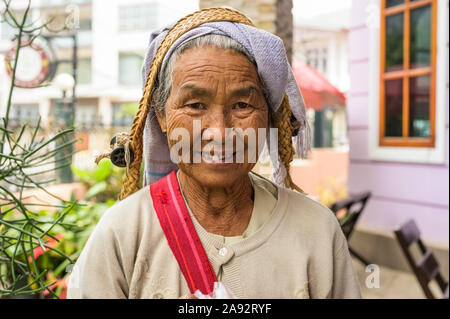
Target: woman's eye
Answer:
[[196, 106], [242, 105]]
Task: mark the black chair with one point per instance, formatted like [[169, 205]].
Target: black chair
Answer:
[[427, 268], [353, 207]]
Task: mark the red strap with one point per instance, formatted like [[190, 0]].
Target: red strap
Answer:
[[181, 235]]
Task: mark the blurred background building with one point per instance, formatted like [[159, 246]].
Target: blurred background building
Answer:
[[398, 106], [111, 46], [321, 41], [379, 113], [112, 40]]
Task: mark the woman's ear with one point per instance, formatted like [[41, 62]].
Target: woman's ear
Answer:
[[162, 121]]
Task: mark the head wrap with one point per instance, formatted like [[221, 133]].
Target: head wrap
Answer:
[[273, 68]]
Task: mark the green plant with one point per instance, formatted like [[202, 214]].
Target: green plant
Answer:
[[73, 230], [104, 182], [24, 162], [73, 234], [103, 187], [128, 109]]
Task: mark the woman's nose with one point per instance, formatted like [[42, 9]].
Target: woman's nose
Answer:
[[217, 122]]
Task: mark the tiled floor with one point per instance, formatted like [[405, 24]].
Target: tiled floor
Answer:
[[394, 284]]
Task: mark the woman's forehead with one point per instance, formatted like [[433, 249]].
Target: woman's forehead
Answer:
[[212, 65], [242, 89], [213, 58]]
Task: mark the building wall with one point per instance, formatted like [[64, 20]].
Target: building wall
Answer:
[[104, 45], [400, 190], [331, 45]]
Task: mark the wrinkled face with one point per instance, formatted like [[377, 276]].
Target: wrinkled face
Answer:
[[221, 89]]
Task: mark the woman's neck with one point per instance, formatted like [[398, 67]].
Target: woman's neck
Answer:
[[221, 211]]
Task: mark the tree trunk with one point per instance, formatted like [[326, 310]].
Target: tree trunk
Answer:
[[285, 25]]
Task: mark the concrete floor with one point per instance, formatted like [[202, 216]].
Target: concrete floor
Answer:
[[394, 284]]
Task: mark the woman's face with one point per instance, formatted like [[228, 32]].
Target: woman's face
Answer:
[[221, 89]]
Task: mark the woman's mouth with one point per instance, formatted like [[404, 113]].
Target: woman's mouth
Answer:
[[215, 158]]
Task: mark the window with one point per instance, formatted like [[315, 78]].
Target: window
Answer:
[[407, 73], [138, 17], [84, 72], [58, 3], [130, 68], [25, 113], [8, 32], [317, 59], [123, 114], [86, 115], [85, 24]]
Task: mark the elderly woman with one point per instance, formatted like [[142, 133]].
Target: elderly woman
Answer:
[[211, 221]]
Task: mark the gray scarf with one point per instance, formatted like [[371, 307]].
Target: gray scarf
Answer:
[[274, 70]]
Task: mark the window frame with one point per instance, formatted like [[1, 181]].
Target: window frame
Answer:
[[129, 54], [419, 155], [128, 21], [406, 74]]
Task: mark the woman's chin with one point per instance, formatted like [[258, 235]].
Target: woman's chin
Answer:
[[218, 174]]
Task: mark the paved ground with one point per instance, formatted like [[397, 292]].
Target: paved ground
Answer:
[[394, 284]]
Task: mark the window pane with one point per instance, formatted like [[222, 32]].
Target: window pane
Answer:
[[7, 32], [419, 107], [123, 114], [25, 113], [393, 108], [391, 3], [394, 42], [84, 73], [86, 115], [85, 24], [130, 69], [64, 67], [138, 17], [420, 37]]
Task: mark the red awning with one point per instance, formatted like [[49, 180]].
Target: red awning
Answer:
[[317, 91]]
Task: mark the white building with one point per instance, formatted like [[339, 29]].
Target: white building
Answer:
[[321, 41], [113, 36]]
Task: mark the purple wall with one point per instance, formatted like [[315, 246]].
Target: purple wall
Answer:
[[400, 190]]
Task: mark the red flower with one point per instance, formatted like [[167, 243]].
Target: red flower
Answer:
[[59, 282], [51, 243]]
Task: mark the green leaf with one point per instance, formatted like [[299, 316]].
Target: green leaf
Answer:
[[96, 189], [103, 170], [82, 174], [128, 109], [110, 202]]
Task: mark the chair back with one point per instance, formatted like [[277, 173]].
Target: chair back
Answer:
[[354, 206], [426, 269]]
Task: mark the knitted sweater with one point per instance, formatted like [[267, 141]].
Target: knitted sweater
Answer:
[[298, 252]]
